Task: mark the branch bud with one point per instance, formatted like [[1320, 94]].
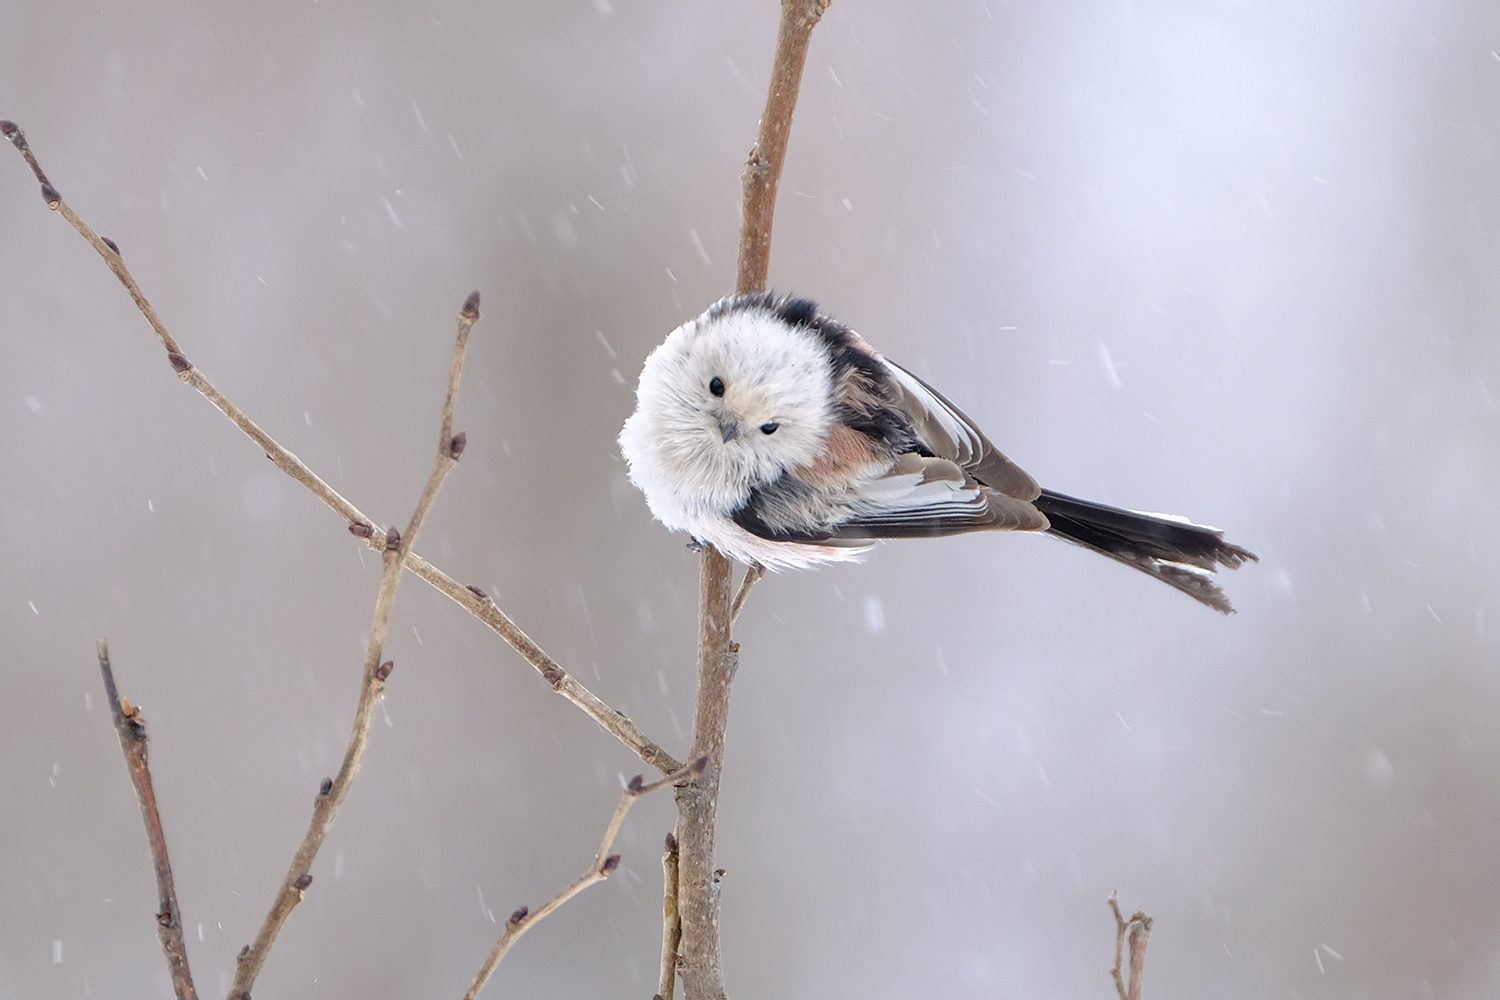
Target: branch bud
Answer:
[[471, 306]]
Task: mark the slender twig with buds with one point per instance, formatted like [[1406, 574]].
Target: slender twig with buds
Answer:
[[132, 730], [524, 918]]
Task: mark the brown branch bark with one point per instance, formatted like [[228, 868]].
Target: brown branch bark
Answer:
[[762, 173], [1138, 932], [472, 600], [524, 919], [752, 577], [671, 922], [697, 801], [132, 731], [325, 807]]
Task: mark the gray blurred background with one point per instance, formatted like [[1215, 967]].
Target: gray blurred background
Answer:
[[1236, 261]]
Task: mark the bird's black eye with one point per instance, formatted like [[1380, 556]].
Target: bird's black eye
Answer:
[[716, 386], [769, 427]]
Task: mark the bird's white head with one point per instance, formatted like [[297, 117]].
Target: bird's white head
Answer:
[[728, 402]]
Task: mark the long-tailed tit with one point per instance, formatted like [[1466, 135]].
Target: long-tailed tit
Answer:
[[778, 435]]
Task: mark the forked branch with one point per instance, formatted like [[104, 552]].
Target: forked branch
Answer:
[[333, 791], [472, 600], [604, 862], [1137, 932]]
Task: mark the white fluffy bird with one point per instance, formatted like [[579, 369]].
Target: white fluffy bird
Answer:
[[778, 435]]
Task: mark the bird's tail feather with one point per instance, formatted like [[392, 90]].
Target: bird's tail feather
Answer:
[[1178, 553]]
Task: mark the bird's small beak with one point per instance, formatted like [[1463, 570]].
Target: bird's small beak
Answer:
[[729, 429]]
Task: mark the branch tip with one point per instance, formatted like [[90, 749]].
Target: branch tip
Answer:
[[12, 131], [470, 310]]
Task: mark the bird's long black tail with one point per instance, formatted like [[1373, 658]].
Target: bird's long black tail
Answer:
[[1177, 553]]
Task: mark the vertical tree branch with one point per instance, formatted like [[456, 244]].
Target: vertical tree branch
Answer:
[[697, 801], [1139, 935], [762, 173], [331, 795], [671, 922], [132, 730]]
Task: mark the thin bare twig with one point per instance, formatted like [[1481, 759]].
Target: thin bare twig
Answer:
[[132, 730], [718, 656], [1139, 928], [671, 922], [524, 919], [752, 576], [333, 792], [471, 600]]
